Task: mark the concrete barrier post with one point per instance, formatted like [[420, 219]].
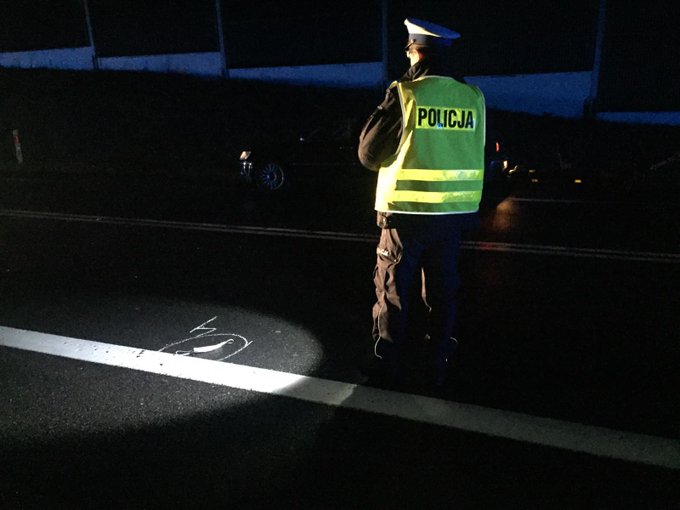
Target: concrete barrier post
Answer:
[[17, 146]]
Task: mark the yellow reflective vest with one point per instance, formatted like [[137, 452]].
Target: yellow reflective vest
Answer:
[[439, 165]]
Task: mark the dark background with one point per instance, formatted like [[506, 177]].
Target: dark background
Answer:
[[640, 63], [641, 57], [499, 37]]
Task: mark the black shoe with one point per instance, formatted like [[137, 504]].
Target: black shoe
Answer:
[[382, 366], [379, 373], [386, 380], [441, 364]]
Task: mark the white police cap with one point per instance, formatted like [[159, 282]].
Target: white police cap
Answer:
[[426, 33]]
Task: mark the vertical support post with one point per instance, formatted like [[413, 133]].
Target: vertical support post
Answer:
[[224, 64], [384, 11], [90, 35], [17, 146], [591, 103]]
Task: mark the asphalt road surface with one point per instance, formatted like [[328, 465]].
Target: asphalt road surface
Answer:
[[182, 344]]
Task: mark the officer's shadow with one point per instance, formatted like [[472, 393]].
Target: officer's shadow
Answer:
[[379, 448]]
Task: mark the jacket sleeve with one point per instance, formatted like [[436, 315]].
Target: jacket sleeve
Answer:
[[380, 135]]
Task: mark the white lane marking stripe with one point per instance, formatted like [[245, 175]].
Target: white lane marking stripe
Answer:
[[599, 441], [582, 201], [637, 256], [598, 253], [569, 201]]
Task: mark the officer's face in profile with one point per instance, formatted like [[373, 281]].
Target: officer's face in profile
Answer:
[[412, 55]]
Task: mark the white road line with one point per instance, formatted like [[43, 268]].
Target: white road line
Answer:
[[534, 249], [567, 251], [569, 201], [598, 441], [583, 201]]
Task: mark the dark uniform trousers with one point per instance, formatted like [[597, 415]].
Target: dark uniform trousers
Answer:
[[416, 250]]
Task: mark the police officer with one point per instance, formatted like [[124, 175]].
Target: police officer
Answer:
[[426, 141]]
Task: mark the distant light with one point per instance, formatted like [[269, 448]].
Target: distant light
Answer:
[[498, 146], [534, 180], [578, 181]]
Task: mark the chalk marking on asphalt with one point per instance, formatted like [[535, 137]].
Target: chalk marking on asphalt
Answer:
[[489, 246], [209, 332], [598, 441]]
